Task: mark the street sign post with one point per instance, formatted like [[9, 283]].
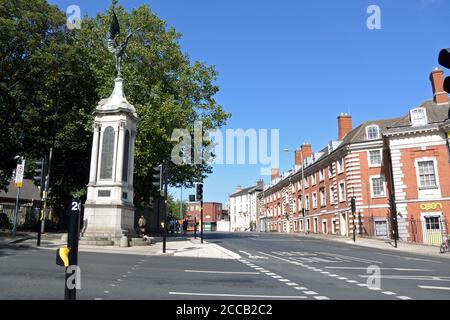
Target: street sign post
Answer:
[[19, 184]]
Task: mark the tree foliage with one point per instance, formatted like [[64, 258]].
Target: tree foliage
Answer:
[[51, 79]]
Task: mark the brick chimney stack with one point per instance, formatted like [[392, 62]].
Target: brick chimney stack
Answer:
[[298, 157], [275, 173], [344, 125], [437, 84], [306, 151]]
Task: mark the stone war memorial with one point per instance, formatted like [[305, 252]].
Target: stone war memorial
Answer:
[[109, 209]]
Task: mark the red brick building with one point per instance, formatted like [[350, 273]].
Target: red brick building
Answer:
[[212, 212], [359, 164], [419, 148]]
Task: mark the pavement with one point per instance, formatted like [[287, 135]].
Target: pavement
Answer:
[[175, 246], [385, 244], [270, 267]]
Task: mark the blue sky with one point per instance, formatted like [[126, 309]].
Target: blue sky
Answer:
[[294, 65]]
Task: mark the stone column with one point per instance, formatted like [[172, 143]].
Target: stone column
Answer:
[[120, 149], [94, 155], [131, 160]]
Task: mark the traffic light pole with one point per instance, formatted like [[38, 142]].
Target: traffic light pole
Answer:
[[353, 214], [165, 169], [195, 227], [201, 221], [47, 182]]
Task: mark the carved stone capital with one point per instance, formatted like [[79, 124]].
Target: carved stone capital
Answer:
[[122, 124]]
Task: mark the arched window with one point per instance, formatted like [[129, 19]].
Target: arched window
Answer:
[[107, 154], [126, 155]]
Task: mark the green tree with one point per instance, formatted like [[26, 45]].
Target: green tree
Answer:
[[51, 79]]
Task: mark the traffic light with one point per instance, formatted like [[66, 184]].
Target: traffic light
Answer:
[[199, 193], [39, 173], [353, 204], [444, 60], [157, 177]]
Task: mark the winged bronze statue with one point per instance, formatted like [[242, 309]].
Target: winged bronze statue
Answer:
[[118, 49]]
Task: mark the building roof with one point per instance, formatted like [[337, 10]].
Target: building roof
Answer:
[[29, 191], [242, 192], [436, 114]]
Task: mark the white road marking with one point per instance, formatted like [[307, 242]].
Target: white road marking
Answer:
[[220, 272], [407, 258], [277, 277], [113, 285], [310, 292], [343, 278], [434, 288], [321, 298], [106, 291], [325, 272], [407, 277], [284, 280], [388, 293], [235, 295], [352, 281], [404, 298], [333, 275], [335, 255], [292, 284], [271, 274], [362, 284], [98, 299], [301, 288], [362, 268]]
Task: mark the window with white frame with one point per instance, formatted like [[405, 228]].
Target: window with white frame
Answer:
[[307, 202], [342, 191], [323, 199], [314, 196], [427, 174], [330, 170], [377, 184], [306, 182], [340, 165], [300, 203], [375, 158], [313, 178], [332, 195], [418, 116], [294, 205], [321, 174], [372, 132]]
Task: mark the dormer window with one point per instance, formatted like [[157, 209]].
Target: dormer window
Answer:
[[418, 117], [372, 132]]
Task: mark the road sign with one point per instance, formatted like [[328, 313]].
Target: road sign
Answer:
[[19, 174]]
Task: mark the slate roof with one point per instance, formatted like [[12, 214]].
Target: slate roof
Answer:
[[436, 115], [29, 191]]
